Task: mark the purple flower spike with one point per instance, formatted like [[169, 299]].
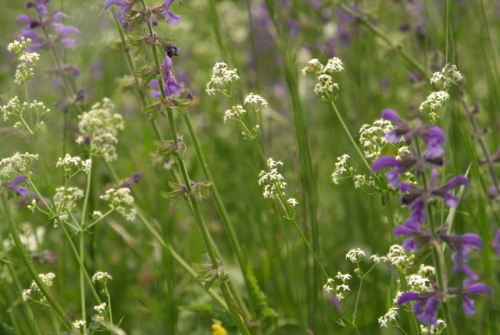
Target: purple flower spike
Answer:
[[172, 19], [479, 288], [458, 180], [496, 242], [124, 8], [472, 239], [435, 133], [385, 162], [468, 306], [407, 297], [389, 114]]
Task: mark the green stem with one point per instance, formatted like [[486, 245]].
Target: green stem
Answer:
[[31, 269], [109, 304], [389, 215], [36, 143], [82, 246], [160, 239]]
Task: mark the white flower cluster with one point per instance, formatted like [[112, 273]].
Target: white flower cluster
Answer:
[[373, 137], [79, 323], [391, 315], [65, 200], [27, 60], [18, 163], [221, 75], [101, 128], [325, 85], [118, 198], [334, 65], [420, 282], [257, 100], [293, 202], [433, 330], [340, 290], [340, 167], [378, 259], [101, 276], [354, 255], [448, 76], [13, 107], [235, 113], [100, 309], [47, 279], [68, 162], [272, 179], [399, 257], [314, 66], [435, 100]]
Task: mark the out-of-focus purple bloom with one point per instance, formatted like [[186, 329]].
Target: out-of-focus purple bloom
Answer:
[[22, 191], [496, 242], [344, 20], [479, 288], [172, 19], [87, 140], [124, 5], [130, 181], [80, 95], [155, 92], [427, 305], [294, 27], [97, 70], [173, 50], [190, 96], [75, 71], [335, 302]]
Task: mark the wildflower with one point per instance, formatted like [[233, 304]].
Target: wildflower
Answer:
[[293, 202], [255, 99], [345, 278], [432, 329], [496, 242], [343, 287], [274, 180], [68, 161], [12, 185], [334, 65], [446, 77], [101, 276], [26, 295], [125, 6], [130, 181], [118, 198], [325, 85], [100, 308], [235, 113], [340, 168], [171, 86], [373, 138], [79, 323], [355, 254], [172, 19], [16, 163], [221, 75], [65, 200], [434, 100], [87, 165], [217, 329], [313, 66], [418, 283], [173, 50], [391, 315], [378, 259], [399, 257], [328, 286]]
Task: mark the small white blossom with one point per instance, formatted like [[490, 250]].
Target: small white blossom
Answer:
[[221, 75], [26, 295], [272, 180], [399, 257], [101, 276], [18, 163], [293, 202], [345, 278], [398, 295], [391, 315], [334, 65], [79, 323], [343, 287], [313, 66], [118, 198], [426, 270], [69, 161], [100, 308], [340, 296], [235, 113], [449, 75], [96, 215], [378, 259], [418, 283], [65, 200], [354, 255], [435, 100], [372, 137], [340, 167], [27, 60], [257, 100], [433, 330], [87, 165]]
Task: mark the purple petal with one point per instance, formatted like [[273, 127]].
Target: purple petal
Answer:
[[42, 10], [479, 288], [430, 312], [435, 173], [24, 18], [168, 3], [18, 180], [402, 230], [172, 87], [154, 84], [173, 19], [458, 180], [472, 239], [22, 191], [391, 137], [450, 200], [404, 187], [68, 43], [155, 94], [496, 242], [58, 15], [412, 224], [410, 245], [434, 150], [65, 30], [389, 114], [384, 162], [393, 178], [435, 133], [109, 3], [168, 64], [408, 296], [468, 306]]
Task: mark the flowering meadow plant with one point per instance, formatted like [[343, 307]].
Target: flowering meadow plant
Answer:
[[254, 168]]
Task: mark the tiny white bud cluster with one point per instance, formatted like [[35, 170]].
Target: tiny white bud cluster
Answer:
[[448, 76], [391, 315], [434, 101], [344, 277], [292, 202], [340, 167], [118, 198], [354, 255], [341, 290], [378, 259], [257, 100], [221, 75], [101, 276], [24, 72], [272, 180], [373, 137], [433, 330], [100, 308], [13, 107], [399, 257], [68, 162], [325, 85], [65, 201], [18, 163], [101, 127], [79, 323], [234, 113], [47, 279]]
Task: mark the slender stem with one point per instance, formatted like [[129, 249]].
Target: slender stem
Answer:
[[36, 144], [109, 303], [160, 239], [31, 269], [82, 246], [389, 215]]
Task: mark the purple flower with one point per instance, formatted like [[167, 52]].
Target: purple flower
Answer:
[[171, 86], [124, 8], [479, 288], [22, 191], [294, 27], [173, 50], [172, 19], [427, 305], [496, 242], [130, 181], [344, 19], [80, 95], [400, 166]]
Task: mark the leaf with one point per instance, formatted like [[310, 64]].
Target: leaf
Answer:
[[6, 330], [257, 298], [198, 308]]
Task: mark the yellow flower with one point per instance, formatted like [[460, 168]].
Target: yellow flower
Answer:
[[218, 329]]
